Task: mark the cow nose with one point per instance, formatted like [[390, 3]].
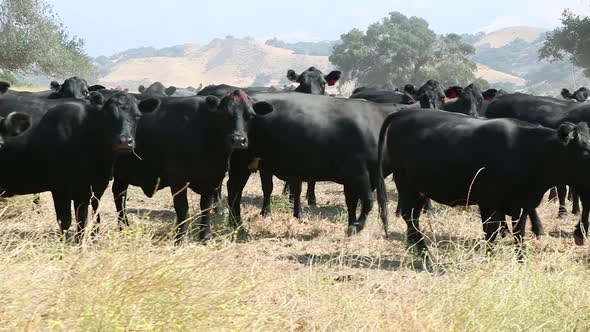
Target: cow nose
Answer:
[[125, 140], [239, 141]]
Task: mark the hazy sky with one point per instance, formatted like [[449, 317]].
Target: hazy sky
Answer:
[[110, 26]]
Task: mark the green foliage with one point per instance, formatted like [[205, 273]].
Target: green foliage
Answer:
[[569, 39], [6, 76], [33, 39], [308, 48], [400, 50]]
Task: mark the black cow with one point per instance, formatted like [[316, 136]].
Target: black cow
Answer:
[[73, 87], [382, 96], [187, 143], [430, 95], [157, 89], [312, 138], [96, 87], [580, 95], [222, 90], [76, 144], [545, 111], [453, 92], [469, 101], [500, 164], [311, 81]]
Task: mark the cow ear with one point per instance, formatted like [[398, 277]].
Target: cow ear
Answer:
[[212, 102], [4, 87], [15, 123], [149, 105], [333, 77], [96, 98], [141, 89], [169, 91], [262, 108], [566, 132], [292, 76], [54, 86]]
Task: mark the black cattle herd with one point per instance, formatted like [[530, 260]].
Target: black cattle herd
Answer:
[[457, 146]]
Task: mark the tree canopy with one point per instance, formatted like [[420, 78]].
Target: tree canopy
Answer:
[[400, 50], [32, 39], [572, 38]]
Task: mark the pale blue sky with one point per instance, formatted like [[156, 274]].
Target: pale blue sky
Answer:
[[110, 26]]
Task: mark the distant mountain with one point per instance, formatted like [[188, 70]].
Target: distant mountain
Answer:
[[506, 36], [309, 48], [240, 62], [514, 51], [507, 58]]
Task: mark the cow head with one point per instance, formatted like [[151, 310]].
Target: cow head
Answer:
[[169, 91], [122, 112], [470, 100], [490, 94], [13, 124], [4, 87], [453, 92], [313, 81], [156, 89], [233, 115], [431, 95], [73, 87]]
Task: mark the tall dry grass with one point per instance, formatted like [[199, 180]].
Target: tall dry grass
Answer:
[[291, 274]]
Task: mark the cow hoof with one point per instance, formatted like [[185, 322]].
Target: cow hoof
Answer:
[[578, 239], [266, 213], [312, 203], [504, 233], [352, 230]]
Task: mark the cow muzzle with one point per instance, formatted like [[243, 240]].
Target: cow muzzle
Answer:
[[124, 144], [238, 142]]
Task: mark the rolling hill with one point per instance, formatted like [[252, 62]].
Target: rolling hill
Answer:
[[507, 58], [240, 62]]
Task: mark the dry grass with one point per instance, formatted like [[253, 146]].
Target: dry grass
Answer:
[[292, 275]]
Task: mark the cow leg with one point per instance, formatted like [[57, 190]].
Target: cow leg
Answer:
[[575, 201], [179, 192], [412, 205], [267, 188], [352, 201], [582, 227], [491, 219], [81, 202], [536, 223], [427, 205], [295, 187], [204, 233], [97, 192], [519, 228], [217, 201], [62, 201], [552, 194], [311, 199], [120, 195], [561, 195], [238, 177], [362, 191]]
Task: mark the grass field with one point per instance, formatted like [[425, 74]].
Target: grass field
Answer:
[[290, 276]]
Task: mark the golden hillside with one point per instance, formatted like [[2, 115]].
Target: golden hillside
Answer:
[[231, 61], [495, 76], [505, 36]]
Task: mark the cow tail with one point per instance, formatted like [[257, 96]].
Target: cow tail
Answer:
[[381, 190]]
